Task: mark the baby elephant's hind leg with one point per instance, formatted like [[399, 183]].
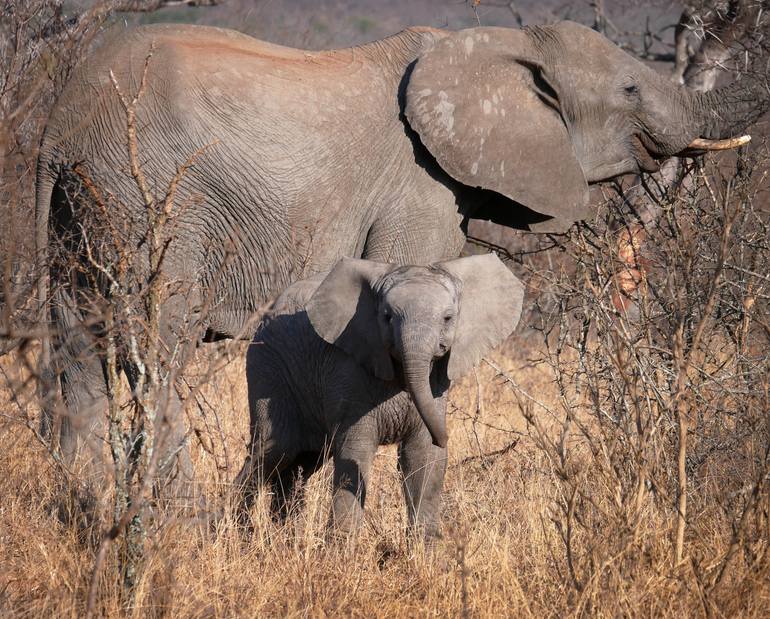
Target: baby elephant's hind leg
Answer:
[[288, 484], [260, 467], [280, 466]]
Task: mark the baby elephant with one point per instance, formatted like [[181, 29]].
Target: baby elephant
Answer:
[[391, 339]]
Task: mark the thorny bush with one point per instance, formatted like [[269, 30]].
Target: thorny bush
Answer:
[[657, 333]]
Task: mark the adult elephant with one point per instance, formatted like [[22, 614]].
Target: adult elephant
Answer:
[[382, 151]]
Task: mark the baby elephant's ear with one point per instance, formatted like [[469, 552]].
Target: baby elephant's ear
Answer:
[[490, 308], [343, 311]]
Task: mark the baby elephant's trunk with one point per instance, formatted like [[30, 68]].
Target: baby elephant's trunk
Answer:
[[417, 354]]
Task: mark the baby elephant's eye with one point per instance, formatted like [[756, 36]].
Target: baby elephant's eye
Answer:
[[387, 316], [448, 318]]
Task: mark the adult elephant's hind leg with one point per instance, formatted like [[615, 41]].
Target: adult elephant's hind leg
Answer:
[[82, 418]]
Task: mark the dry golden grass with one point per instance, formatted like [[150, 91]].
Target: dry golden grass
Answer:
[[501, 554]]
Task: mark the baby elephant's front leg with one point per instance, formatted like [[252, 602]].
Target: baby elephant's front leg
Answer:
[[423, 466], [354, 450]]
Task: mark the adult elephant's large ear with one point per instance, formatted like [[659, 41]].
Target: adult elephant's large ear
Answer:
[[490, 308], [482, 104], [343, 311]]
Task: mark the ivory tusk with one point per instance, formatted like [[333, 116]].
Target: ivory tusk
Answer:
[[703, 144]]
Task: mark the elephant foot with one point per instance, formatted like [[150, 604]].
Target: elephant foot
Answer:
[[341, 535], [429, 545]]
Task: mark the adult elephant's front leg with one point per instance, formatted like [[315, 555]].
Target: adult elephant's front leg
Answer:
[[422, 466], [425, 228], [354, 450], [175, 481], [179, 314]]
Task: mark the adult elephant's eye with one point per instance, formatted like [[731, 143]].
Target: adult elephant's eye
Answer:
[[631, 90], [387, 316], [448, 318]]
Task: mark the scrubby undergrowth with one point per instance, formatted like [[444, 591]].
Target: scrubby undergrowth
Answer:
[[502, 554]]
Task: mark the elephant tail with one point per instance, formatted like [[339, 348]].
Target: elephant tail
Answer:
[[45, 182]]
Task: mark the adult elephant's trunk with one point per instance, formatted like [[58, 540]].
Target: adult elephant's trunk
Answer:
[[729, 111], [416, 357], [686, 122]]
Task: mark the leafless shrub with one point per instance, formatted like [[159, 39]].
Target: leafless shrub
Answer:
[[41, 41], [126, 286], [661, 426]]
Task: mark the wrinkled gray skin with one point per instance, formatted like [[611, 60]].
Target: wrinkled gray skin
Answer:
[[364, 357], [381, 151]]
